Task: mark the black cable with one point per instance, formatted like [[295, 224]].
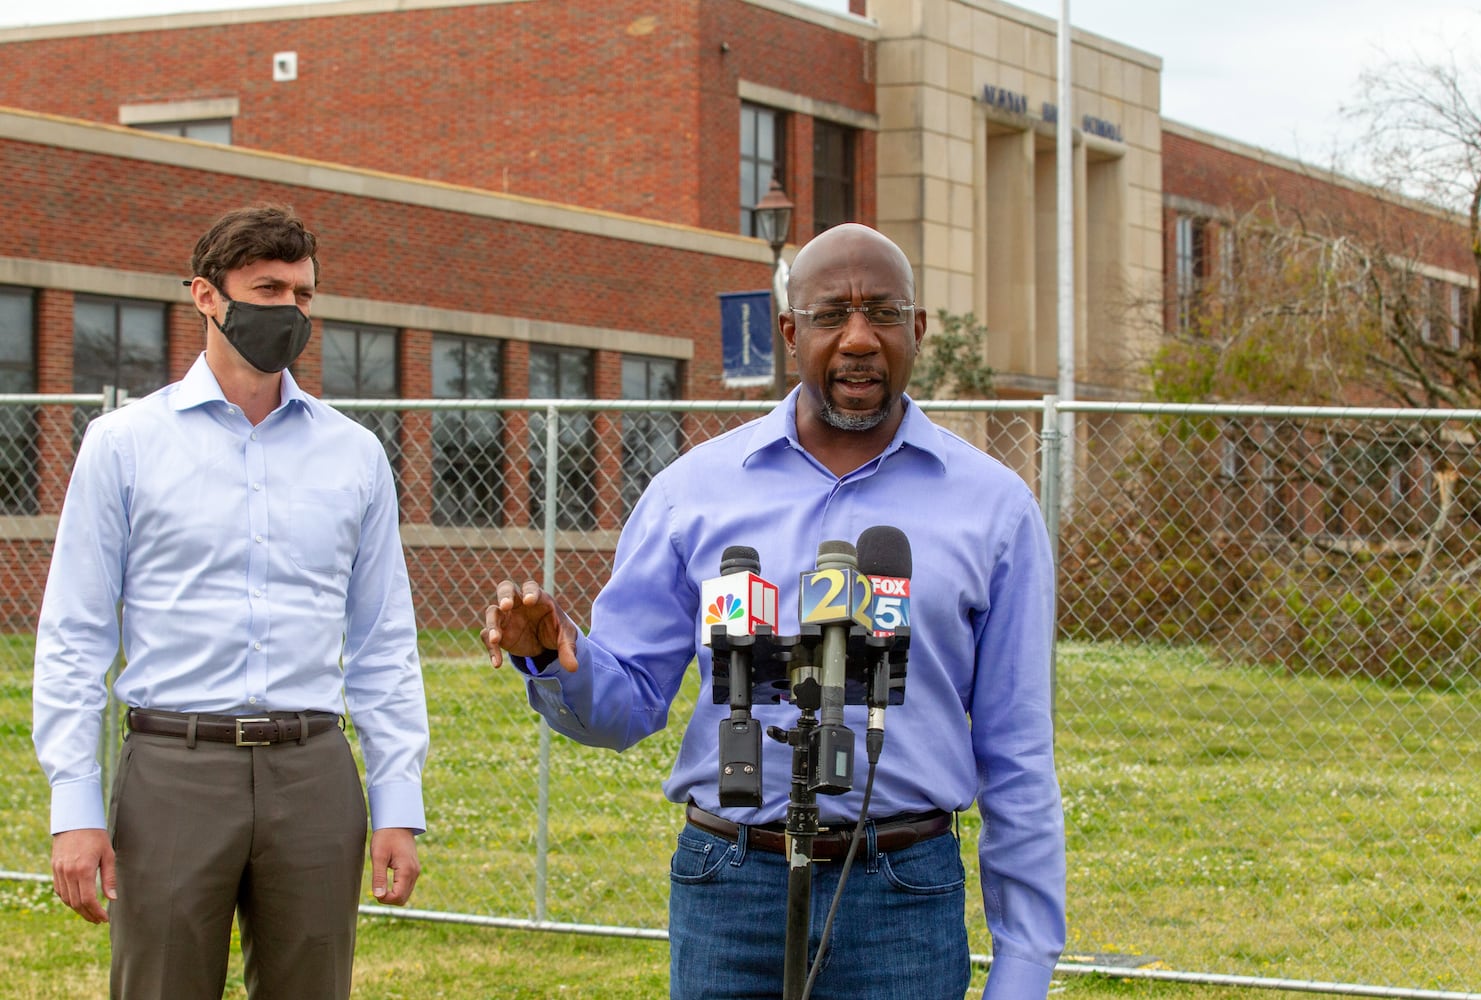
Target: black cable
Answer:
[[874, 740]]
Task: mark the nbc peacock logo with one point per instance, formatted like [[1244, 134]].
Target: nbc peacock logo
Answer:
[[726, 608]]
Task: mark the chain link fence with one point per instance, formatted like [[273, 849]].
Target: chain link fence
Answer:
[[1269, 725]]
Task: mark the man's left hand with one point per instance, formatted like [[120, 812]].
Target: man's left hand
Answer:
[[393, 865]]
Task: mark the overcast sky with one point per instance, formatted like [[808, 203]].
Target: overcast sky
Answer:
[[1271, 73]]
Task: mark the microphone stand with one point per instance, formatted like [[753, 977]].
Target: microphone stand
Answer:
[[802, 827], [746, 670]]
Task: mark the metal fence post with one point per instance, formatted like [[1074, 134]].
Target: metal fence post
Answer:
[[542, 808], [1049, 472], [111, 736]]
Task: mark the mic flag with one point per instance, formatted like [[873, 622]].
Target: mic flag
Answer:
[[738, 598], [835, 593]]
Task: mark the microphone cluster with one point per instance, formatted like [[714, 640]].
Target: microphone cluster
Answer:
[[854, 617]]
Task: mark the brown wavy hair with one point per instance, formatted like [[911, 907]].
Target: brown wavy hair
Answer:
[[245, 235]]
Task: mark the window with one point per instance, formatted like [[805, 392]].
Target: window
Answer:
[[212, 130], [1282, 459], [17, 423], [1190, 267], [1443, 312], [761, 159], [563, 373], [207, 119], [360, 363], [650, 441], [467, 445], [1225, 262], [1375, 486], [116, 342], [1459, 314], [833, 175], [1431, 324]]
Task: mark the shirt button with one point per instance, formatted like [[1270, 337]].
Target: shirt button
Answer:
[[257, 539], [254, 435], [257, 486], [251, 701], [257, 645], [257, 592]]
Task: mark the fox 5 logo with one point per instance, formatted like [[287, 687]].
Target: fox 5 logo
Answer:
[[889, 611]]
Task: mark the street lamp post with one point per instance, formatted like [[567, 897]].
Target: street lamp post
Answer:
[[773, 221]]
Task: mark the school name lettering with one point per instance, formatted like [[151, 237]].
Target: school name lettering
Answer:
[[1004, 100], [1015, 103]]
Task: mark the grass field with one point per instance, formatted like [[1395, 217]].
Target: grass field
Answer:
[[1221, 819]]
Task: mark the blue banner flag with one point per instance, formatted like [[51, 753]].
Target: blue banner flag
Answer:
[[745, 337]]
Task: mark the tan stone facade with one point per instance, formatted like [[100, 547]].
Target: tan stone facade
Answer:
[[967, 181]]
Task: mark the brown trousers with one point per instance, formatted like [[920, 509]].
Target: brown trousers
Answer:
[[274, 835]]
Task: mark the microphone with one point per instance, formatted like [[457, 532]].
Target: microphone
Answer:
[[737, 605], [834, 597], [884, 557]]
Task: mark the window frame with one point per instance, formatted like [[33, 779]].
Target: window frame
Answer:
[[576, 493], [468, 483], [653, 439], [755, 169], [18, 430], [834, 181], [188, 128], [384, 424]]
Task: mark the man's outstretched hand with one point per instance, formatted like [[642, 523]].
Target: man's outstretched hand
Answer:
[[526, 621]]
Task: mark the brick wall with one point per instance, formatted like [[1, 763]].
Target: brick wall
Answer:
[[614, 104], [1218, 176], [94, 209]]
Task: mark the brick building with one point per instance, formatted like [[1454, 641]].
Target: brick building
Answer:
[[1341, 294], [1211, 185], [931, 120], [530, 198]]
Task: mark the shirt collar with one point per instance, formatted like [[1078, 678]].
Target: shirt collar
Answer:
[[779, 427], [199, 387]]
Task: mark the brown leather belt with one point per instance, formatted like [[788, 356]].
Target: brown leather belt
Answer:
[[831, 843], [242, 731]]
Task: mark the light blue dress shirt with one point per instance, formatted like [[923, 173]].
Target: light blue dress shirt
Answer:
[[259, 569], [976, 721]]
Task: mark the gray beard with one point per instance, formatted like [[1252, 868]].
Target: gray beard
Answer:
[[852, 421]]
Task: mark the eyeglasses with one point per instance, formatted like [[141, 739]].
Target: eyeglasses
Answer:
[[832, 315]]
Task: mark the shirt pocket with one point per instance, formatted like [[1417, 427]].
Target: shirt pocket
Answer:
[[323, 528]]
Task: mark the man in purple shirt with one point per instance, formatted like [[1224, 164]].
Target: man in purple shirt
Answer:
[[846, 450]]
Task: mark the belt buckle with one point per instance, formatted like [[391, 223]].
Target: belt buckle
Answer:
[[241, 742]]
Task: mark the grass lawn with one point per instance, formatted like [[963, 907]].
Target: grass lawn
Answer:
[[1221, 819]]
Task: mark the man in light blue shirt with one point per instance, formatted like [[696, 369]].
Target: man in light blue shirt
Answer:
[[846, 451], [238, 540]]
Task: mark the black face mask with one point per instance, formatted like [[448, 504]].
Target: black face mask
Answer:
[[270, 338]]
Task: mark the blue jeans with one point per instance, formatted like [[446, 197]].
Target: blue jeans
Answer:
[[900, 933]]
